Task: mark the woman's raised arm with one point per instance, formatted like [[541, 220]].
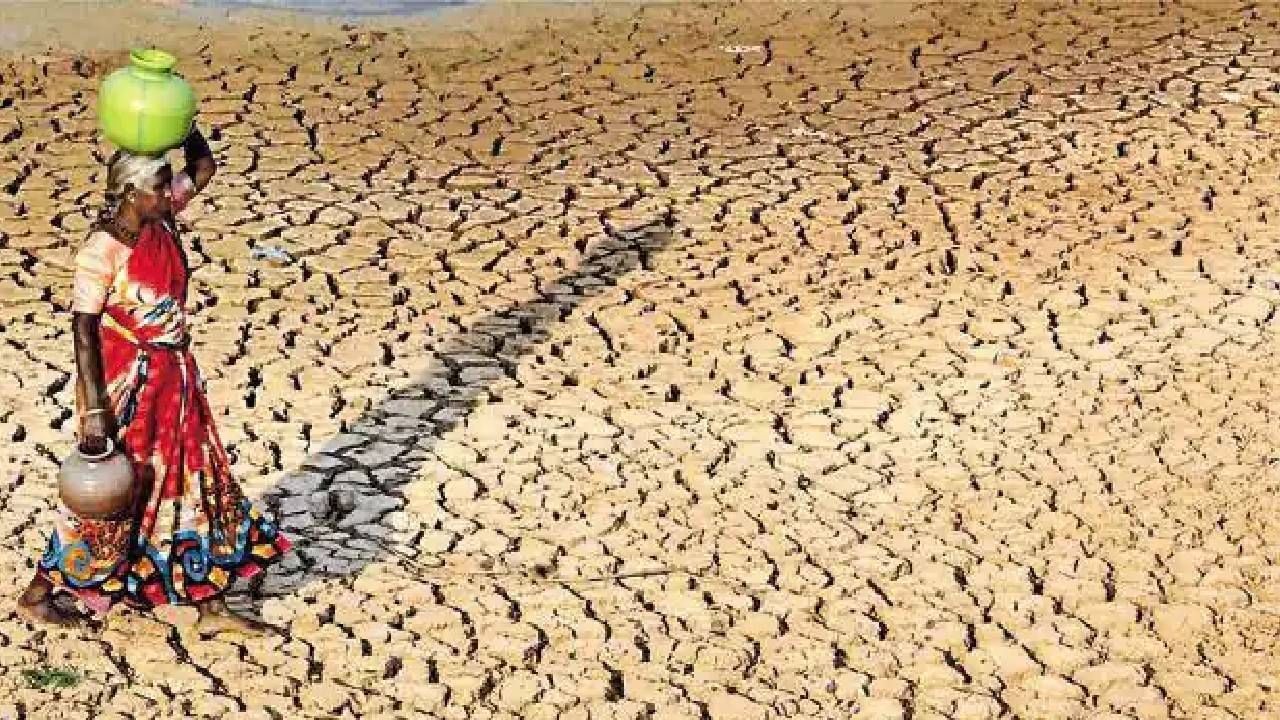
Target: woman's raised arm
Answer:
[[200, 165]]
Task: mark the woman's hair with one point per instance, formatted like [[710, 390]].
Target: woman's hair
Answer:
[[126, 170]]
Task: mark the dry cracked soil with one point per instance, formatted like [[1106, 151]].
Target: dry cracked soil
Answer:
[[713, 362]]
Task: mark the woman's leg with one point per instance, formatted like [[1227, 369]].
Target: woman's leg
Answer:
[[36, 603]]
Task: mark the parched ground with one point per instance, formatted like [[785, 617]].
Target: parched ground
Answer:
[[726, 362]]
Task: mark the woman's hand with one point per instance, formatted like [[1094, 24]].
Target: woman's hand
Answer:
[[95, 432]]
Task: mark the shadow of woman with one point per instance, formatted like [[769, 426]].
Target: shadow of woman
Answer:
[[339, 507]]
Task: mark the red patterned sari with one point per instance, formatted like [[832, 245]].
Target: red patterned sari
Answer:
[[193, 532]]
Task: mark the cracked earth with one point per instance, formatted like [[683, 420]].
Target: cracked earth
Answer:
[[726, 362]]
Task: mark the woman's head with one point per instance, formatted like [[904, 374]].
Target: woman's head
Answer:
[[140, 181]]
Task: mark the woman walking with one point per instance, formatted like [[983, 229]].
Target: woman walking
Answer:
[[191, 533]]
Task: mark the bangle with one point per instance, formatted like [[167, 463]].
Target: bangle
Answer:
[[95, 411]]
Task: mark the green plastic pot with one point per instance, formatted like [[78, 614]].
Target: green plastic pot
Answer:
[[145, 108]]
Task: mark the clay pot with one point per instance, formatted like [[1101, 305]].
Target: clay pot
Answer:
[[97, 487], [145, 108]]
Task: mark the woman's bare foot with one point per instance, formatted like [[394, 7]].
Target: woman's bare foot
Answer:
[[36, 604], [216, 616]]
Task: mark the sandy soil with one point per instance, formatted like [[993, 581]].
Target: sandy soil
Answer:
[[730, 362]]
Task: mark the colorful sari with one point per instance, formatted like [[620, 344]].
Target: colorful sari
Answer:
[[192, 533]]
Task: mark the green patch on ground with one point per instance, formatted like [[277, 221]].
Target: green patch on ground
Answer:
[[47, 678]]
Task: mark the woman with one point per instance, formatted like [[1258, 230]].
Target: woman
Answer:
[[191, 533]]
